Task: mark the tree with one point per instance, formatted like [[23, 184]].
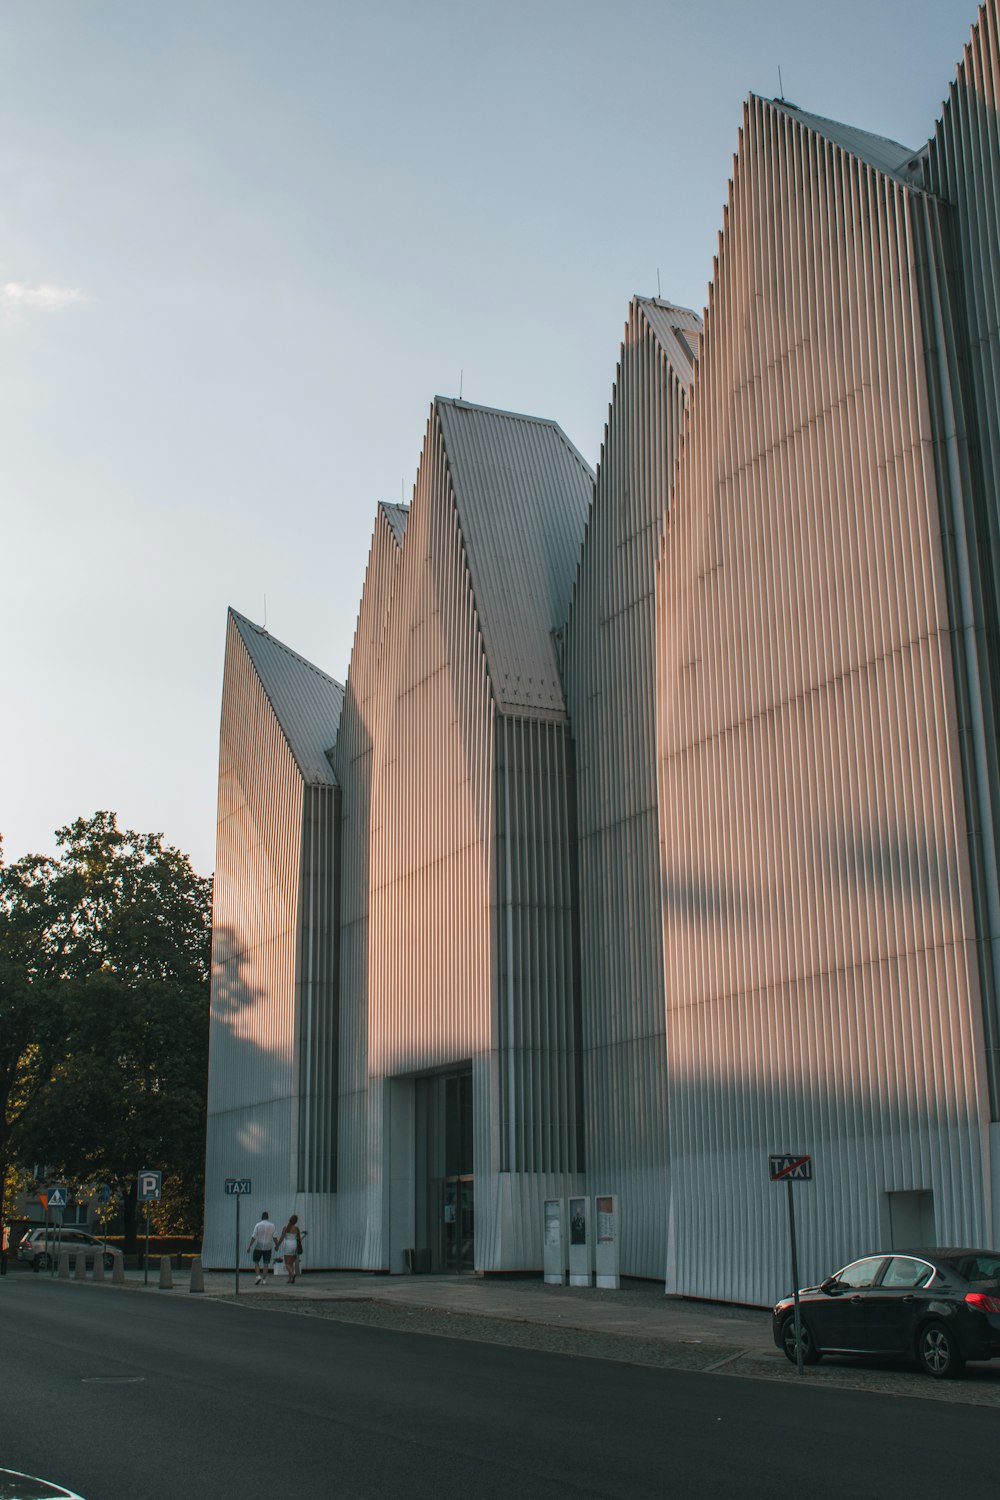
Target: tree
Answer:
[[114, 932]]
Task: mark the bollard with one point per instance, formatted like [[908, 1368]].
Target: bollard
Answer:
[[80, 1266], [64, 1264], [99, 1267], [197, 1276], [166, 1274], [118, 1270]]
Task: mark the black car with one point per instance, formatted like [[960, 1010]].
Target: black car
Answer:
[[938, 1307]]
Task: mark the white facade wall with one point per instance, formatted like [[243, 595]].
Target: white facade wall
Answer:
[[258, 1091], [458, 915], [821, 979], [751, 903], [610, 657]]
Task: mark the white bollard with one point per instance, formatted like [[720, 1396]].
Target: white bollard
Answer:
[[64, 1264], [197, 1275], [118, 1270], [80, 1266], [99, 1267], [166, 1274]]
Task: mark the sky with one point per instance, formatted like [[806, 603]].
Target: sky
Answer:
[[244, 245]]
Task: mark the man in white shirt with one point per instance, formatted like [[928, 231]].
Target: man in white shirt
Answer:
[[262, 1243]]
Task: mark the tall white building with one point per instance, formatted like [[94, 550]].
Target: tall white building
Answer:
[[655, 828]]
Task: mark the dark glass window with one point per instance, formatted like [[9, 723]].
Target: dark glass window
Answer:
[[860, 1273]]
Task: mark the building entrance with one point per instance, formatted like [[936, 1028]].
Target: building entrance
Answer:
[[445, 1186]]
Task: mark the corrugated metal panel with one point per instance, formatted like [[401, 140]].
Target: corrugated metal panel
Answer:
[[356, 753], [818, 926], [890, 157], [963, 314], [416, 759], [609, 692], [522, 493], [396, 516], [538, 995], [256, 1029], [307, 702], [318, 1017]]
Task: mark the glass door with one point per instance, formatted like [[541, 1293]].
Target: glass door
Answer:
[[459, 1224]]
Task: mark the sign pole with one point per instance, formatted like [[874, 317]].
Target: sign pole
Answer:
[[795, 1276], [145, 1258], [239, 1197]]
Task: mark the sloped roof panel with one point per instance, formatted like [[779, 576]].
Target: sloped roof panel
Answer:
[[396, 516], [888, 156], [522, 492], [678, 332], [306, 702]]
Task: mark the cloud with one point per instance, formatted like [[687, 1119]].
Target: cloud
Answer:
[[15, 296]]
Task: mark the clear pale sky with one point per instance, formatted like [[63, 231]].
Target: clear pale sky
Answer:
[[243, 245]]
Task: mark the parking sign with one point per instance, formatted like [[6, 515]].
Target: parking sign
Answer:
[[150, 1188]]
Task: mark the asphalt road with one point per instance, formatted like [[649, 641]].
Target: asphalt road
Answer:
[[131, 1396]]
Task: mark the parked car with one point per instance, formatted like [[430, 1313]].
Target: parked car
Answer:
[[40, 1247], [937, 1307]]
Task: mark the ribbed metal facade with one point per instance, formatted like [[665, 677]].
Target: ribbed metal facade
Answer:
[[273, 1040], [962, 302], [658, 830], [819, 935], [609, 690], [458, 935]]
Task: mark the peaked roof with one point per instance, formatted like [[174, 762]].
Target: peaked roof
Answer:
[[522, 492], [306, 702], [396, 516], [678, 332], [888, 156]]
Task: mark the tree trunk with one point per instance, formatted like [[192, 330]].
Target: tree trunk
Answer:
[[130, 1212]]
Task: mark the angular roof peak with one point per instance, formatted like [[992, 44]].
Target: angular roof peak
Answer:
[[306, 701], [522, 491], [396, 516], [678, 331], [879, 151]]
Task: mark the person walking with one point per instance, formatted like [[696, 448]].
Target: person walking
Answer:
[[262, 1244], [290, 1242]]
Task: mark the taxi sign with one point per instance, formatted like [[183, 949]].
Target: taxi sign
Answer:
[[790, 1166], [238, 1186]]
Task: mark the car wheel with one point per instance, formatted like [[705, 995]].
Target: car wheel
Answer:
[[938, 1353], [42, 1262], [810, 1354], [109, 1262]]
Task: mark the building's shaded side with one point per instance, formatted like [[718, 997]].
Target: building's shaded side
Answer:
[[961, 256], [821, 978], [273, 1037], [354, 758], [609, 677]]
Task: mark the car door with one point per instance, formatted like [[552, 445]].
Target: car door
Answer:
[[892, 1306], [838, 1316]]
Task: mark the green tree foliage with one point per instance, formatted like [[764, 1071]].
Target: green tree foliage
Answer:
[[112, 974]]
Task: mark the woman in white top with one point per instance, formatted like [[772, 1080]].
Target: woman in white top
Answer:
[[290, 1241]]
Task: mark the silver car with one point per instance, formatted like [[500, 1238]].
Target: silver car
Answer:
[[40, 1248]]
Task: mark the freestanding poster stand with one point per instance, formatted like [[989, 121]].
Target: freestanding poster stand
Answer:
[[553, 1250], [579, 1242], [606, 1242]]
